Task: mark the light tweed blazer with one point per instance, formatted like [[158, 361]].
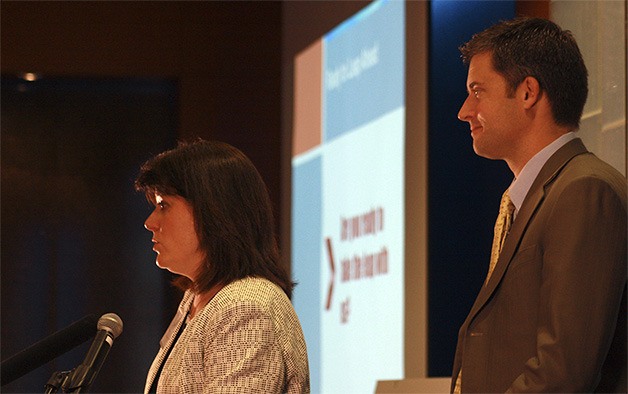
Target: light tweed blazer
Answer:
[[247, 339]]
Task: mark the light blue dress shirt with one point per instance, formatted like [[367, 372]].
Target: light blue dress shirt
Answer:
[[521, 185]]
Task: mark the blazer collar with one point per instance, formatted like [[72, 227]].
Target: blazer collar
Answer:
[[546, 176]]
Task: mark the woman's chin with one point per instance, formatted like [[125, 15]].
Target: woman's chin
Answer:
[[161, 265]]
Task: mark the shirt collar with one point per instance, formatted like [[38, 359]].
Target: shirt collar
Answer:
[[521, 185]]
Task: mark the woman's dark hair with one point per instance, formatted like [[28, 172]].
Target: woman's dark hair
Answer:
[[538, 48], [232, 211]]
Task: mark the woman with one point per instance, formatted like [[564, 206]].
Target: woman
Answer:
[[235, 330]]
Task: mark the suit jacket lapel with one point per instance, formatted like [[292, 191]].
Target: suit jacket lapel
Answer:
[[534, 198]]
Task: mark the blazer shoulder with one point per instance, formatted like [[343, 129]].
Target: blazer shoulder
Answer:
[[252, 291], [588, 167], [573, 161]]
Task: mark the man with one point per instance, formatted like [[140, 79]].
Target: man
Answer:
[[551, 314]]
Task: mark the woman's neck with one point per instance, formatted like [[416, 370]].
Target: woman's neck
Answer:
[[202, 299]]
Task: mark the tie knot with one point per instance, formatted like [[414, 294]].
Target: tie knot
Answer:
[[506, 206]]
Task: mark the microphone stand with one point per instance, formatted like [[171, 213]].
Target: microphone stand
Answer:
[[56, 381], [65, 381], [78, 380]]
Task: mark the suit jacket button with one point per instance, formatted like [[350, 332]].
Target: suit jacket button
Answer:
[[476, 334]]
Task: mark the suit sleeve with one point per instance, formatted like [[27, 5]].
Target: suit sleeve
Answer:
[[583, 276], [242, 355]]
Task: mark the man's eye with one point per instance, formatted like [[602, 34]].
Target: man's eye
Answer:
[[161, 205], [476, 93]]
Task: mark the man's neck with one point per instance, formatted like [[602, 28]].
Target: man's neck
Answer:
[[536, 142]]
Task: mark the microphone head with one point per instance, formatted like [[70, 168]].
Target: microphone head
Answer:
[[111, 323]]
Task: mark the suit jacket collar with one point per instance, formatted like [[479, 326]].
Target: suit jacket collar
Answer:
[[548, 173]]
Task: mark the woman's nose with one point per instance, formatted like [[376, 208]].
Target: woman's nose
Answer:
[[151, 223]]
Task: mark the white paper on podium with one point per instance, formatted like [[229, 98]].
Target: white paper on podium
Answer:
[[416, 385]]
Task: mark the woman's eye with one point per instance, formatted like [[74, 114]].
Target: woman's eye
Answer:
[[476, 93], [161, 205]]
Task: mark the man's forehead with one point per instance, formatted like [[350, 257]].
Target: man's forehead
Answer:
[[481, 61], [480, 68]]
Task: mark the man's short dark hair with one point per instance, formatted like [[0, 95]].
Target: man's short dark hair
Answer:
[[538, 48]]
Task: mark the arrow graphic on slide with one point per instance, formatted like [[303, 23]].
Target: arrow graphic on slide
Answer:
[[333, 273]]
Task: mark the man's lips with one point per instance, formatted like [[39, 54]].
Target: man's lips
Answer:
[[476, 129]]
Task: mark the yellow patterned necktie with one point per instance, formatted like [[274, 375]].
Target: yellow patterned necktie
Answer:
[[502, 227]]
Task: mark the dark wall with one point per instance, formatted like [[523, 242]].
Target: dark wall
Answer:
[[225, 56], [72, 236]]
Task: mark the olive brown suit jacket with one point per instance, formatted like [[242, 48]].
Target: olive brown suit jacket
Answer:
[[552, 317]]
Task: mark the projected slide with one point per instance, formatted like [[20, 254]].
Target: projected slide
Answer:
[[348, 200]]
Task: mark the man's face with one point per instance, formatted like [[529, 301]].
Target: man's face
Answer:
[[495, 118]]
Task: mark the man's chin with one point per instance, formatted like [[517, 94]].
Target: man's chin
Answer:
[[483, 152]]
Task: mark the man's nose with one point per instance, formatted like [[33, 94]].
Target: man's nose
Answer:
[[466, 111]]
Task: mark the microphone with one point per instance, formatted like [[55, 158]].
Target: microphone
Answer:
[[48, 349], [109, 327]]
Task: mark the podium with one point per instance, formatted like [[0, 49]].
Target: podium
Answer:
[[413, 385]]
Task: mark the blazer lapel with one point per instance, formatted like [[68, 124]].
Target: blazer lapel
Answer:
[[532, 201], [167, 341]]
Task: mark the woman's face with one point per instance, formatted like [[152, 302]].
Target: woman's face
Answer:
[[174, 236]]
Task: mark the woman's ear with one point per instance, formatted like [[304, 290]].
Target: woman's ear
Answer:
[[530, 92]]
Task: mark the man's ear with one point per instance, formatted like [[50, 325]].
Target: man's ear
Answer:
[[529, 92]]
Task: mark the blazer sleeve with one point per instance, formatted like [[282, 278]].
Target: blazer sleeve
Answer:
[[583, 276], [242, 354]]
